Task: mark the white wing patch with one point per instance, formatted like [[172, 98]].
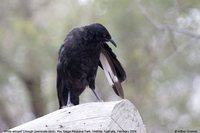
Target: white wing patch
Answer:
[[108, 70]]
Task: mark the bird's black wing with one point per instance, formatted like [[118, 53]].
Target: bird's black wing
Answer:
[[112, 68], [61, 87]]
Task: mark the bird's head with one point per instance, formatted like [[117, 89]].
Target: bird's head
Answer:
[[100, 33]]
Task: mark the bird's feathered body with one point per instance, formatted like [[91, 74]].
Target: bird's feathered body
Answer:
[[78, 61]]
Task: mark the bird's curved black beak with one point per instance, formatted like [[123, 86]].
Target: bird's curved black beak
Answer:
[[113, 42]]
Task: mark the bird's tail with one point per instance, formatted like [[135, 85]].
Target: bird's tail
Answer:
[[112, 69]]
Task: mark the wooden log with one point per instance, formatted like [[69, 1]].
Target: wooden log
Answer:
[[105, 117]]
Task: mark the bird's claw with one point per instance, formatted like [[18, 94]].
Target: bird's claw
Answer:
[[100, 100]]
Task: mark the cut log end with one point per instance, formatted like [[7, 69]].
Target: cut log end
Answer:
[[105, 116]]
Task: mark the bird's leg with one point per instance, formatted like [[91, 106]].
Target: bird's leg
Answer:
[[69, 103], [92, 87], [97, 96]]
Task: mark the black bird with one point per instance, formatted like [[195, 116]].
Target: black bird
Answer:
[[83, 50]]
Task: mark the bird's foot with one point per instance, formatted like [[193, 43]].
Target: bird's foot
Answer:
[[100, 100], [63, 107], [70, 105]]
